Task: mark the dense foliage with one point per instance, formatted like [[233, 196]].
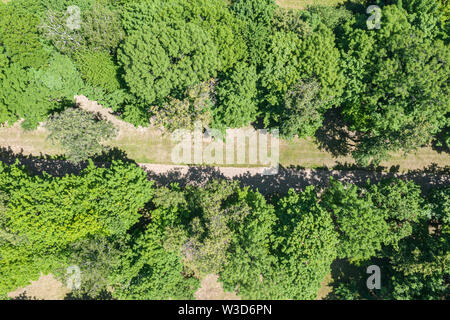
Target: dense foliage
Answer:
[[264, 65], [43, 215], [397, 94], [225, 64], [134, 241]]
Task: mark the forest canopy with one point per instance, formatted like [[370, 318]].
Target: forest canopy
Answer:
[[157, 242], [261, 64], [322, 70]]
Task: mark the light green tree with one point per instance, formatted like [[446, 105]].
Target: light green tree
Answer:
[[80, 133]]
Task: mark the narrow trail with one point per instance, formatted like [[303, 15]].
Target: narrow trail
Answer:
[[286, 178]]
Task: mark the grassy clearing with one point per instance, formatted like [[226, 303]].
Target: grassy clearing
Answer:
[[47, 287], [211, 289], [305, 153], [149, 146]]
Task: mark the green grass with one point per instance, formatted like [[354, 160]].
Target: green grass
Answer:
[[305, 153], [151, 147]]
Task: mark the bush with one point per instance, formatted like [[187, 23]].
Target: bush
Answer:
[[80, 133]]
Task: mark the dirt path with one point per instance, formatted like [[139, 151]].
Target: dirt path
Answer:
[[286, 178]]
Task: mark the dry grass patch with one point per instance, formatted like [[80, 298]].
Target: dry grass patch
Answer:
[[211, 289], [150, 146], [32, 142], [326, 288], [45, 288]]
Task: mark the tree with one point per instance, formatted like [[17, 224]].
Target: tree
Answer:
[[213, 17], [255, 18], [281, 70], [216, 229], [236, 97], [80, 133], [370, 218], [98, 257], [102, 28], [361, 227], [62, 5], [420, 267], [305, 246], [440, 205], [402, 206], [163, 58], [249, 250], [205, 249], [289, 61], [396, 95], [258, 11], [283, 253], [416, 267], [151, 272], [291, 20], [57, 31], [320, 59], [303, 110], [153, 265], [184, 114], [330, 16], [423, 14], [32, 94]]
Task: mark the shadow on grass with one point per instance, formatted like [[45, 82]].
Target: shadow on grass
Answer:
[[57, 165], [294, 177]]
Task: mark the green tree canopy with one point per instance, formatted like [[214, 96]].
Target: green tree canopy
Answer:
[[45, 214], [19, 35], [80, 133], [236, 92], [162, 58], [397, 86]]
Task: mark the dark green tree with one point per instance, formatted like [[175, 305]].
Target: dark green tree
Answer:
[[396, 95], [236, 97]]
